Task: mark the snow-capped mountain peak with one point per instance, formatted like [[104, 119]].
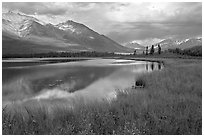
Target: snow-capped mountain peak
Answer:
[[69, 26], [133, 45], [24, 30], [133, 42], [66, 27], [182, 44], [18, 24]]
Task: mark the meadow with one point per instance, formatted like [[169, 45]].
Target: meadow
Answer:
[[169, 103]]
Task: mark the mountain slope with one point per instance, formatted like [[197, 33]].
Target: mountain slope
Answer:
[[21, 31], [194, 51], [190, 43], [168, 44], [134, 45], [86, 36], [181, 44]]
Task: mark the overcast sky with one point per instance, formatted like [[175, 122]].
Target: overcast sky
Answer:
[[145, 23]]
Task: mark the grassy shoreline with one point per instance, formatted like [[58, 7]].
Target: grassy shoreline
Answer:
[[170, 103]]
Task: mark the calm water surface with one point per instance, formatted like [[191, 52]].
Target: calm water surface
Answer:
[[27, 82]]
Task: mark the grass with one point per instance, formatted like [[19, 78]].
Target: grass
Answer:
[[170, 103]]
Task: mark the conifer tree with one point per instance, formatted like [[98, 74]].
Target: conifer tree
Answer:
[[152, 50], [147, 50], [159, 49]]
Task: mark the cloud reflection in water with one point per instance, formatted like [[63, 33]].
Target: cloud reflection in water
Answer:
[[87, 81]]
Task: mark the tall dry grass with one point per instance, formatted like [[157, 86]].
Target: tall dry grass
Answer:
[[170, 103]]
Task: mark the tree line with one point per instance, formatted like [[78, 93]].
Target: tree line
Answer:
[[151, 51], [61, 54], [194, 51]]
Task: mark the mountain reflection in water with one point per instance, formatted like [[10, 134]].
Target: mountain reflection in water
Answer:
[[65, 83]]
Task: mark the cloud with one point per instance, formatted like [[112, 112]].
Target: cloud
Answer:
[[123, 22], [181, 20], [36, 7], [159, 30]]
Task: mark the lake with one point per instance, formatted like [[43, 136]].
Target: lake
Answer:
[[63, 82]]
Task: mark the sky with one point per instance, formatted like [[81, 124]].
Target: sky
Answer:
[[144, 23]]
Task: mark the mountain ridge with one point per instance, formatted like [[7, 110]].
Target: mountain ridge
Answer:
[[133, 45], [181, 44], [168, 44], [66, 36]]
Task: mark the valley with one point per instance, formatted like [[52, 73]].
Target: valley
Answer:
[[101, 68]]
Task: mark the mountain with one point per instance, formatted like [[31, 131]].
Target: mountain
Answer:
[[168, 44], [189, 43], [133, 45], [182, 44], [25, 34], [17, 24]]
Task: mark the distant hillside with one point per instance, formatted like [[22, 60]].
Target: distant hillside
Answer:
[[133, 45], [168, 44], [181, 44], [194, 51], [190, 43]]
